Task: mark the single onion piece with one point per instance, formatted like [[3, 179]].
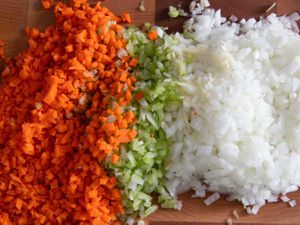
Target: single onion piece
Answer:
[[255, 209], [122, 53], [272, 199], [111, 119], [249, 211], [236, 215], [294, 16], [291, 188], [211, 199], [294, 26], [233, 18], [179, 205], [130, 221], [229, 221], [292, 203], [284, 198]]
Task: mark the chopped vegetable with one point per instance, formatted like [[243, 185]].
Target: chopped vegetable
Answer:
[[284, 198], [292, 203], [229, 221], [142, 6], [235, 214], [133, 62], [126, 18], [153, 35], [255, 209], [141, 168], [173, 12], [211, 199], [176, 12], [46, 3]]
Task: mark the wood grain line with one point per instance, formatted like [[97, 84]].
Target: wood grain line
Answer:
[[13, 19], [12, 10]]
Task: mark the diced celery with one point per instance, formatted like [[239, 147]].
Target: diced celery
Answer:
[[141, 171]]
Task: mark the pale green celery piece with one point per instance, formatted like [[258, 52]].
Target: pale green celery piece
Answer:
[[169, 204], [173, 12], [149, 211]]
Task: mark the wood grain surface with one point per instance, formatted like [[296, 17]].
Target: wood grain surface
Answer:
[[195, 212], [16, 14]]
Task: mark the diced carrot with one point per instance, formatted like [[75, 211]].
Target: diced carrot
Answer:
[[89, 86], [27, 132], [124, 136], [109, 127], [122, 123], [133, 62], [46, 4], [132, 134], [19, 203], [128, 96], [81, 37], [115, 158], [153, 35], [123, 77], [126, 18], [28, 149], [69, 48], [139, 96], [52, 91], [106, 60], [116, 194]]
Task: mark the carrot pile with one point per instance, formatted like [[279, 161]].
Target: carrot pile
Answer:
[[62, 112]]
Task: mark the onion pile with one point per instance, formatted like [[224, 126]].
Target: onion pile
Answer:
[[237, 129]]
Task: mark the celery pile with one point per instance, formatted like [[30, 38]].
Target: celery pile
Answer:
[[141, 170]]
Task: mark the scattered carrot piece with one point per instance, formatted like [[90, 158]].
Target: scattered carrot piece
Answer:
[[153, 35], [126, 18], [46, 3]]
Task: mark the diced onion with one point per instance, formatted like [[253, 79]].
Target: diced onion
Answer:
[[122, 53], [292, 203], [211, 199], [284, 198]]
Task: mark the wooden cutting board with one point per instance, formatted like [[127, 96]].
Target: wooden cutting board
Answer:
[[16, 14]]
